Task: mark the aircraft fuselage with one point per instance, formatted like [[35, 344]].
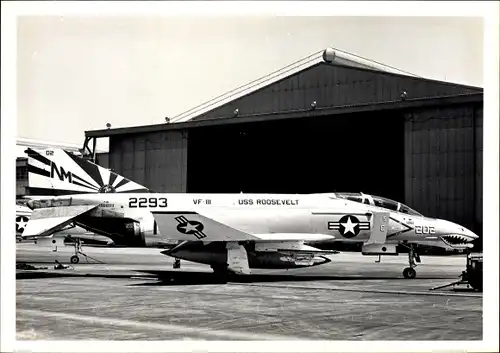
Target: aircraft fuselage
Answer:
[[341, 219]]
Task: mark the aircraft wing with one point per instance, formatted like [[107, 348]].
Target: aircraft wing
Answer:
[[45, 221], [193, 226]]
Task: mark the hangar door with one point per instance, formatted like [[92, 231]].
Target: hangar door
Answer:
[[355, 152]]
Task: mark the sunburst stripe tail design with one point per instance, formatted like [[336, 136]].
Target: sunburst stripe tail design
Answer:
[[59, 172]]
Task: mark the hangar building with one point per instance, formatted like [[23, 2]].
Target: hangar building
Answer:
[[336, 123]]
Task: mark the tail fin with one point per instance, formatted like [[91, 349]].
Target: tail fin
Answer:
[[54, 171]]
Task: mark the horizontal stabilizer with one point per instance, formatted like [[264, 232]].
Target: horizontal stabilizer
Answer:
[[45, 221], [194, 226]]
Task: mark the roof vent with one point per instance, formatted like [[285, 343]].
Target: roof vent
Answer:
[[329, 55]]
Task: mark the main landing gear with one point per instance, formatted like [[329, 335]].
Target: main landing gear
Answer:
[[221, 272], [78, 251], [409, 272]]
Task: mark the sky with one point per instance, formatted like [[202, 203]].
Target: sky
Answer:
[[78, 73]]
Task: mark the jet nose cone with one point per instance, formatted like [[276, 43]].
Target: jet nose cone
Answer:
[[465, 232], [471, 234], [453, 230]]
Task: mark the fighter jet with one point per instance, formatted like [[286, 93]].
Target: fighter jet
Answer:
[[229, 232], [67, 234]]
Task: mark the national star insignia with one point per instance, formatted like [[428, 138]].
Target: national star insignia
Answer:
[[21, 223], [349, 226], [188, 227]]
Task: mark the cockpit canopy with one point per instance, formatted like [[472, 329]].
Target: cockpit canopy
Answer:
[[376, 201]]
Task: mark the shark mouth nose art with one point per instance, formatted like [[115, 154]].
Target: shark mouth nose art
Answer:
[[457, 240]]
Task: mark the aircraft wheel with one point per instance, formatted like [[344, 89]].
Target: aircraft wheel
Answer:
[[75, 259], [409, 273], [221, 273]]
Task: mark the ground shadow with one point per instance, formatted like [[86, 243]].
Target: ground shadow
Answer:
[[167, 277], [172, 277], [52, 274]]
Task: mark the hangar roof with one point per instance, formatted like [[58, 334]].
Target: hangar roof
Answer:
[[325, 83], [414, 103], [23, 143], [329, 55]]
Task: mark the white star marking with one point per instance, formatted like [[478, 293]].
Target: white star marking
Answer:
[[21, 224], [188, 227], [349, 226]]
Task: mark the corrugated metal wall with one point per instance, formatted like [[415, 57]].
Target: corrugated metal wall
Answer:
[[333, 86], [443, 167], [156, 160], [21, 176], [102, 159]]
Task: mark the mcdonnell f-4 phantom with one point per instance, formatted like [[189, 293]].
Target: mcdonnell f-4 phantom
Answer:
[[68, 234], [229, 232]]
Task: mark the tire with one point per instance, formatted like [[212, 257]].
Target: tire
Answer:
[[221, 273], [409, 273], [74, 259]]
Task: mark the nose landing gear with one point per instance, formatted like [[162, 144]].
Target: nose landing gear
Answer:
[[409, 272]]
